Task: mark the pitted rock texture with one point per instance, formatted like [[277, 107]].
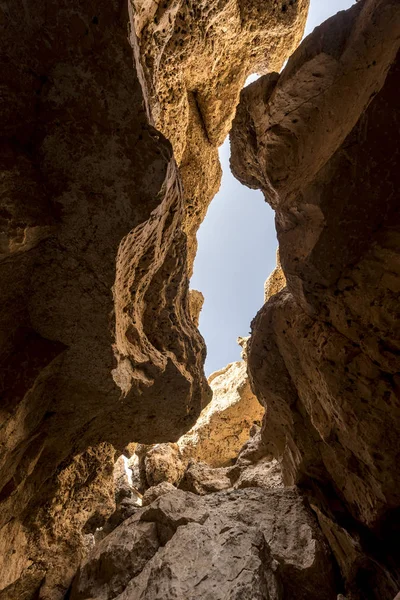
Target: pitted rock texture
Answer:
[[216, 439], [196, 56], [244, 544], [223, 426], [196, 301], [321, 141], [97, 344], [163, 463], [276, 281]]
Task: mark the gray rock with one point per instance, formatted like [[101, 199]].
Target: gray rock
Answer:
[[249, 544]]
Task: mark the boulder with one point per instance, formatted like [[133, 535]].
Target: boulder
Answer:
[[244, 544]]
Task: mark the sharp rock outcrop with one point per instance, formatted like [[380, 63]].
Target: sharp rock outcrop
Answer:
[[98, 346], [196, 56]]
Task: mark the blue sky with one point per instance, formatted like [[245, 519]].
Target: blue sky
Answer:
[[236, 248]]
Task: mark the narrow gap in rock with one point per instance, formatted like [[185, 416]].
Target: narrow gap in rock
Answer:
[[236, 252]]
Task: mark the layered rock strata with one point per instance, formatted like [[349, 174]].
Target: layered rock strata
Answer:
[[321, 141]]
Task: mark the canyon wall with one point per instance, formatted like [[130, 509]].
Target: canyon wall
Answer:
[[321, 141], [196, 56], [98, 346]]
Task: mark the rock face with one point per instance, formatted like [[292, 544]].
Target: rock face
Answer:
[[98, 347], [196, 300], [240, 544], [276, 281], [93, 260], [196, 56], [163, 463], [215, 440], [223, 426], [253, 467], [320, 140]]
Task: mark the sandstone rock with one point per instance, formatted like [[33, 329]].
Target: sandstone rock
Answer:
[[163, 463], [276, 281], [127, 499], [196, 300], [93, 269], [118, 558], [83, 502], [223, 426], [124, 510], [242, 341], [156, 491], [196, 56], [122, 486], [254, 467], [321, 141], [199, 478], [130, 449], [250, 543], [97, 343]]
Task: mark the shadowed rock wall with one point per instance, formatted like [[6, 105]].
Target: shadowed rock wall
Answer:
[[321, 141], [97, 344]]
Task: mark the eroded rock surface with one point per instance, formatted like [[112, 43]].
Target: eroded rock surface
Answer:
[[223, 426], [196, 56], [253, 467], [196, 301], [240, 544], [97, 341], [321, 141], [276, 280], [93, 264]]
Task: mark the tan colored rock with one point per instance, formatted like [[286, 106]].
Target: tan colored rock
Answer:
[[84, 501], [196, 56], [97, 344], [94, 274], [202, 479], [276, 281], [196, 301], [223, 426], [321, 141], [242, 341], [254, 467], [163, 463], [251, 543]]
